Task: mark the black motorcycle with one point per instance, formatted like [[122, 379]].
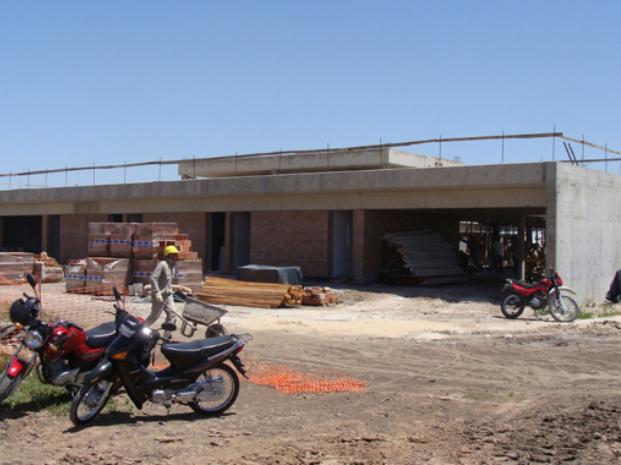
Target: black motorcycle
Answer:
[[197, 376]]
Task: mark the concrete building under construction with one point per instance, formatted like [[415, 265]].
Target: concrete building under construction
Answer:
[[327, 212]]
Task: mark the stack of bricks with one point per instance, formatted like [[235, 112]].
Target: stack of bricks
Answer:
[[127, 253]]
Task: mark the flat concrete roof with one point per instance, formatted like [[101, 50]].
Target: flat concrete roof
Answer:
[[352, 159], [485, 186]]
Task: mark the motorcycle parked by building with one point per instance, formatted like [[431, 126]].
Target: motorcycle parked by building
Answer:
[[64, 351], [549, 293], [197, 376]]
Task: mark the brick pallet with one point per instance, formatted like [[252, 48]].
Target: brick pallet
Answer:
[[14, 266], [141, 244]]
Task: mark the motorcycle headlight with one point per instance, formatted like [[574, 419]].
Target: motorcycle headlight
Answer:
[[33, 340]]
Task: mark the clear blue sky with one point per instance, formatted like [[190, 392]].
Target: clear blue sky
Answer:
[[113, 81]]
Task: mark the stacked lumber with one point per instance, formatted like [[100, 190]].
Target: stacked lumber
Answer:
[[14, 266], [422, 257], [249, 294], [319, 296]]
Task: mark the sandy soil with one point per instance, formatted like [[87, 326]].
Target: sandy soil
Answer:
[[448, 382]]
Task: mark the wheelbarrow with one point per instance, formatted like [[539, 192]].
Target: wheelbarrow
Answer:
[[196, 313]]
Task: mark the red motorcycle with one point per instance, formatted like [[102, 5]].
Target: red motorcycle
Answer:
[[64, 350], [547, 293]]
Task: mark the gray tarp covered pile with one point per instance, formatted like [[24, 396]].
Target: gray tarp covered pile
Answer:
[[270, 274]]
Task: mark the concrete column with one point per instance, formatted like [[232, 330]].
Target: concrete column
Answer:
[[228, 243], [521, 251], [358, 262], [44, 221]]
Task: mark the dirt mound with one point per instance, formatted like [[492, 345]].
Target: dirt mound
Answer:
[[591, 434]]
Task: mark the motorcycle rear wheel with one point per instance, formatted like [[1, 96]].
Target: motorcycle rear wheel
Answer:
[[230, 384], [564, 311], [512, 306], [81, 412]]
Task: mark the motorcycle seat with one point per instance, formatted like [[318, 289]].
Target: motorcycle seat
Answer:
[[525, 284], [183, 353], [101, 336]]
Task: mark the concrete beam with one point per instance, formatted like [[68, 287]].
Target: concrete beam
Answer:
[[494, 185], [364, 159]]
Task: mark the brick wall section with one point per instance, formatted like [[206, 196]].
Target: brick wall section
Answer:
[[192, 223], [292, 238], [74, 235]]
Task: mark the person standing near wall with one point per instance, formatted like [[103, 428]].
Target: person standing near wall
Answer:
[[162, 287]]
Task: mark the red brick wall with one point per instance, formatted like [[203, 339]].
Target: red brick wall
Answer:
[[192, 223], [292, 238], [74, 235]]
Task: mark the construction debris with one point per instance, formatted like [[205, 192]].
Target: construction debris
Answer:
[[421, 257], [249, 294], [319, 296]]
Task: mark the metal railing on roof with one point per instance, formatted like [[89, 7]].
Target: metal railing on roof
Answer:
[[329, 150]]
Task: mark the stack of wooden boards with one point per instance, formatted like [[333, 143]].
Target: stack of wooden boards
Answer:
[[422, 257], [127, 253], [249, 294], [15, 265], [265, 295]]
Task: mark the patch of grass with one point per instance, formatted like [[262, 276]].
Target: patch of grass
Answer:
[[32, 395], [605, 313]]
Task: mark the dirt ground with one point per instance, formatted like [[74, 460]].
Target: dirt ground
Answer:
[[449, 381]]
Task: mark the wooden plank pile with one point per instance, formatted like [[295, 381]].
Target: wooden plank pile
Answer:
[[420, 257], [121, 254], [249, 294], [319, 296]]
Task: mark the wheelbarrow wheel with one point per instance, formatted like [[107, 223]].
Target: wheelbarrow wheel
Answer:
[[215, 330]]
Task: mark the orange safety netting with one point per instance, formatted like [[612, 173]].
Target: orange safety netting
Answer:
[[289, 381]]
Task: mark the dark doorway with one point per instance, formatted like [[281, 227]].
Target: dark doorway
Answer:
[[133, 218], [216, 241], [21, 233], [240, 223], [53, 235], [115, 218], [342, 243]]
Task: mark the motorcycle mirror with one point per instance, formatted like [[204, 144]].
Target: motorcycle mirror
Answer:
[[169, 327], [117, 294], [31, 280]]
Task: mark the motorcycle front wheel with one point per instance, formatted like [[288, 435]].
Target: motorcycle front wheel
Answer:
[[89, 401], [564, 310], [8, 384], [512, 306], [220, 392]]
